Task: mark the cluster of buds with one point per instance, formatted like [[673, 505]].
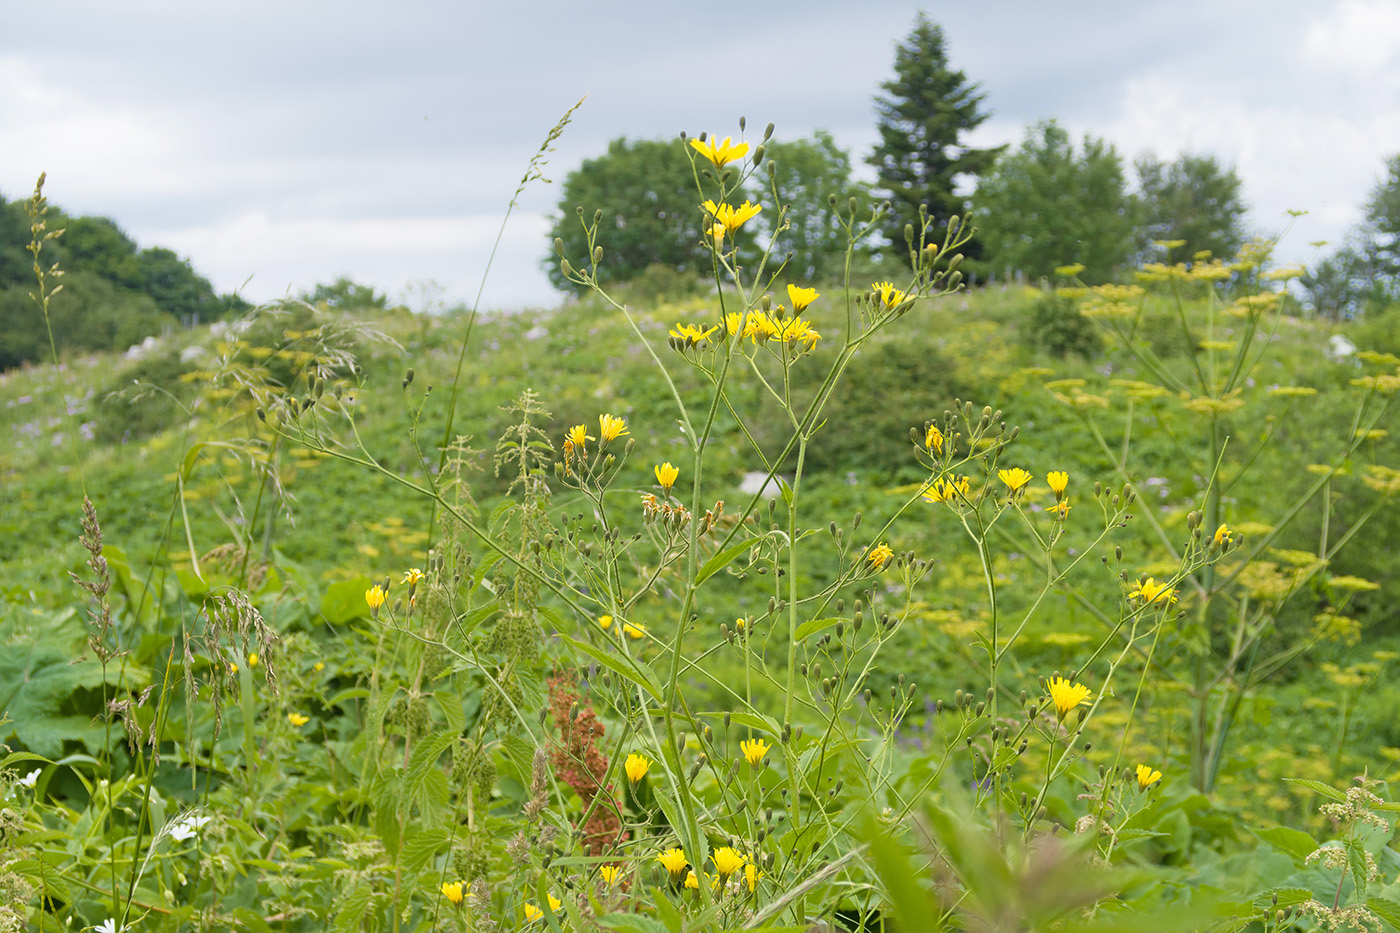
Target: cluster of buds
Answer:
[[655, 509]]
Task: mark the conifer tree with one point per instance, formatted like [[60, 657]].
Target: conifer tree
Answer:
[[929, 110]]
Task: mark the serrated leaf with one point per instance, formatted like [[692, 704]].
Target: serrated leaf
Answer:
[[1387, 910], [1287, 897], [1317, 787], [421, 845], [353, 908], [426, 752], [1290, 841], [37, 683]]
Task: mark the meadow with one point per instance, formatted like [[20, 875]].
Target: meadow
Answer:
[[837, 604]]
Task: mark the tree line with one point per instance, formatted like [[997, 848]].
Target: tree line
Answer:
[[1046, 203]]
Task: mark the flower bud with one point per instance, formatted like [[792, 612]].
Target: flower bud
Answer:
[[559, 247], [597, 255], [565, 268], [768, 132]]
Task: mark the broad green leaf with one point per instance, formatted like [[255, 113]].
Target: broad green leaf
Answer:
[[1317, 787], [1287, 897], [1387, 910], [720, 560], [353, 908], [638, 672], [426, 752], [812, 626], [631, 923], [1289, 841], [345, 601], [421, 845], [37, 684]]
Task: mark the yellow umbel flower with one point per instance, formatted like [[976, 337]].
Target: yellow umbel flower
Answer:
[[610, 428], [933, 439], [374, 597], [1150, 591], [636, 767], [801, 297], [878, 556], [413, 576], [578, 436], [297, 719], [674, 860], [666, 475], [692, 332], [1014, 478], [1059, 481], [609, 874], [889, 295], [727, 861], [721, 154], [1147, 777], [754, 750], [1066, 696], [1223, 536], [731, 218], [452, 890], [533, 913]]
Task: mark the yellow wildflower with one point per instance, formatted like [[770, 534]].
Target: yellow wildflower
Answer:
[[252, 660], [413, 576], [533, 913], [374, 596], [636, 767], [889, 295], [944, 490], [666, 475], [727, 861], [721, 154], [610, 428], [1222, 536], [692, 332], [674, 860], [609, 874], [717, 231], [1014, 478], [1059, 481], [691, 881], [297, 719], [605, 622], [754, 750], [1061, 509], [933, 439], [878, 556], [751, 875], [761, 327], [318, 667], [796, 330], [801, 297], [732, 218], [452, 890], [1066, 696], [578, 436], [232, 668], [1150, 591], [1147, 777], [633, 630]]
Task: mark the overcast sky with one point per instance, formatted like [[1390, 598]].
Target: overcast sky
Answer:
[[280, 144]]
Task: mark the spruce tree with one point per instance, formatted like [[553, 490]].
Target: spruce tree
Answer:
[[929, 110]]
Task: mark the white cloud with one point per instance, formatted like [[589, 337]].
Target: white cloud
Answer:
[[1360, 37]]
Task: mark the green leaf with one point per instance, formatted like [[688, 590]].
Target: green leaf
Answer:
[[812, 626], [1128, 835], [1387, 910], [753, 720], [1289, 841], [1287, 897], [1317, 787], [720, 560], [638, 672], [425, 755], [631, 923], [421, 845], [38, 683], [345, 601], [353, 908]]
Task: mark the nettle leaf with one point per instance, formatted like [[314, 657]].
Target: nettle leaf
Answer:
[[1317, 787], [42, 691], [1288, 840]]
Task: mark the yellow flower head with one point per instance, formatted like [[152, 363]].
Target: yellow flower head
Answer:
[[721, 154], [605, 622], [801, 297], [374, 596], [751, 876], [933, 439], [666, 475], [452, 890], [1223, 536], [636, 767], [232, 668], [1059, 481], [1147, 777], [578, 436], [1150, 591], [947, 490], [297, 719], [717, 231], [674, 860], [754, 750], [1061, 509], [691, 881], [318, 667], [796, 330], [1066, 696], [253, 660], [761, 327], [413, 576], [731, 218], [533, 913], [633, 630], [609, 874], [1014, 478], [878, 556], [889, 295], [611, 428], [692, 332], [727, 861]]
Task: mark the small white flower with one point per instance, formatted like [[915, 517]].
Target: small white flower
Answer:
[[186, 827], [108, 926], [30, 779]]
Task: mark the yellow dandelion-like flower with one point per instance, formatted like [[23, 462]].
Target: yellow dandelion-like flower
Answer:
[[692, 332], [801, 297], [452, 890], [754, 750], [761, 327], [610, 428], [717, 232], [796, 330], [636, 767], [1223, 536], [252, 660], [609, 874], [691, 881], [579, 437], [731, 218], [666, 475], [1059, 481], [733, 323], [933, 439], [604, 622], [721, 154], [947, 490], [1014, 478], [633, 630], [318, 667], [727, 861], [374, 596], [1150, 591], [413, 576], [1061, 509], [533, 913], [297, 719], [751, 876], [878, 556], [232, 668], [1146, 777], [674, 860], [1066, 696], [889, 295]]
